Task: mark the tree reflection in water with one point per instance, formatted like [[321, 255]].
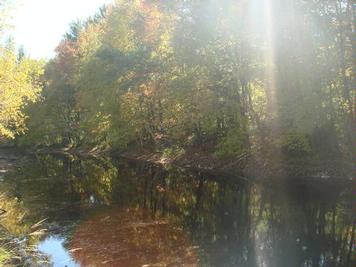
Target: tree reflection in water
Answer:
[[171, 216], [131, 237]]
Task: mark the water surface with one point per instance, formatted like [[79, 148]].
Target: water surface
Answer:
[[110, 212]]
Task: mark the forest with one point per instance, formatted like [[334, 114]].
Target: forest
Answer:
[[269, 80], [235, 94]]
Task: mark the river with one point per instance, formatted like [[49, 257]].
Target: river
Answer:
[[115, 212]]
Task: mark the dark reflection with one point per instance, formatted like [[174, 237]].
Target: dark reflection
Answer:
[[217, 221]]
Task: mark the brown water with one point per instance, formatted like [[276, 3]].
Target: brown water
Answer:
[[110, 212]]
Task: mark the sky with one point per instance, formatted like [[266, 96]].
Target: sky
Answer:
[[39, 25]]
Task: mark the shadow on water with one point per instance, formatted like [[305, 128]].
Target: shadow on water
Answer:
[[105, 212]]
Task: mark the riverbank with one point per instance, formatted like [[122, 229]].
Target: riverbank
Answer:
[[15, 247], [17, 251], [245, 166], [248, 167], [192, 160]]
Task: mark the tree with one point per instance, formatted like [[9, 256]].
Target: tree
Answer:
[[225, 76], [20, 84]]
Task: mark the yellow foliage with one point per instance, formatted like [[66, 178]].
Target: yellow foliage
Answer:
[[19, 85]]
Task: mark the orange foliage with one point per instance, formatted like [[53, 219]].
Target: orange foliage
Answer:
[[152, 19], [66, 56]]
